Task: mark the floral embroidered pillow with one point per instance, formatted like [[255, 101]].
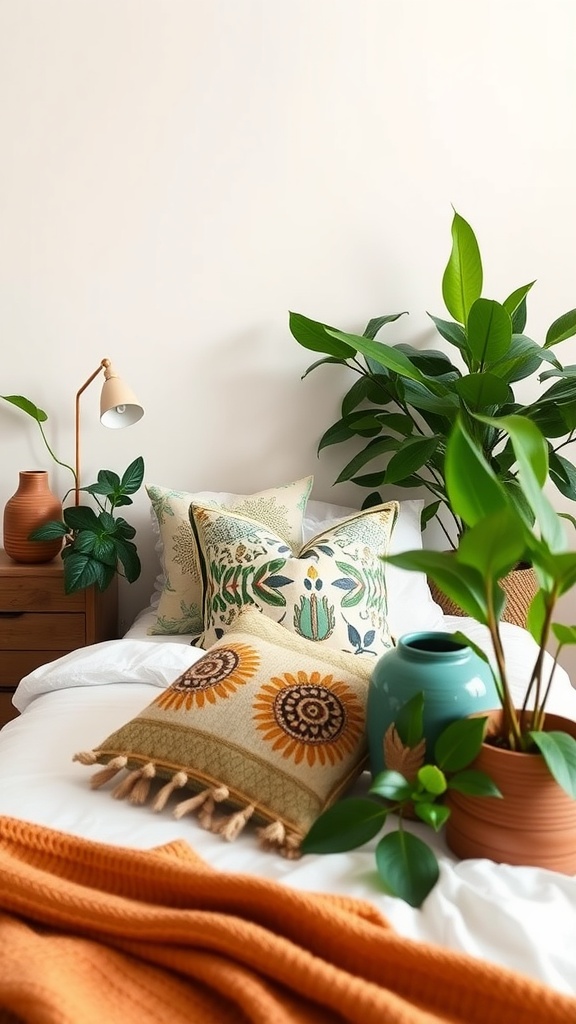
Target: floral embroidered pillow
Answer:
[[332, 590], [265, 725], [180, 606]]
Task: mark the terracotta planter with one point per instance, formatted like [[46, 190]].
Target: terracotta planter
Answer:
[[31, 506], [533, 824]]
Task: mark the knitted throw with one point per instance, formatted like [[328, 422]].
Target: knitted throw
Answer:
[[96, 933]]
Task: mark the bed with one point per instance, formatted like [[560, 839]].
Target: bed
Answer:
[[518, 918]]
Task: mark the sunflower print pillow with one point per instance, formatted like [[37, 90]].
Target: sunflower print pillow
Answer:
[[265, 726]]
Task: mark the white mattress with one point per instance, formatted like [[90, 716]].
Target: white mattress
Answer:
[[524, 918]]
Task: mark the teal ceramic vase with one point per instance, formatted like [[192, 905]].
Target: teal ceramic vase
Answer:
[[455, 681]]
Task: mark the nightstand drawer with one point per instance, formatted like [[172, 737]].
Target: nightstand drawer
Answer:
[[7, 709], [35, 631], [39, 594], [14, 665]]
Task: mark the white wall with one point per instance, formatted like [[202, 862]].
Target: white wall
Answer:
[[177, 174]]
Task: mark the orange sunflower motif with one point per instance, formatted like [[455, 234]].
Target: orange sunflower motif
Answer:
[[217, 675], [309, 717]]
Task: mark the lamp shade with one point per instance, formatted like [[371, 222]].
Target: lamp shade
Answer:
[[119, 406]]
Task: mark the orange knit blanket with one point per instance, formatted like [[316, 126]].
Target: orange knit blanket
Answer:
[[92, 933]]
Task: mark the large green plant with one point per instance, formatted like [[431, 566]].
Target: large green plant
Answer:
[[500, 531], [97, 544], [404, 401]]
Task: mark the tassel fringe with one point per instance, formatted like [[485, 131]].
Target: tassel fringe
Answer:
[[87, 757], [107, 773], [276, 837], [176, 782], [136, 786], [141, 790], [231, 826]]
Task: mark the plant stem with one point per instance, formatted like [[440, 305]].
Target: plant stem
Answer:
[[58, 461]]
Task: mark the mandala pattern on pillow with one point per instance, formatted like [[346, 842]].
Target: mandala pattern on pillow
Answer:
[[265, 724], [331, 591]]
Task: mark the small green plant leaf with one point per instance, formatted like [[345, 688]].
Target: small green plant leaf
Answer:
[[432, 779], [562, 328], [128, 556], [516, 299], [459, 743], [564, 634], [451, 332], [133, 476], [313, 335], [435, 815], [49, 531], [489, 332], [391, 786], [407, 867], [462, 279], [25, 405], [374, 325], [473, 783], [559, 752], [344, 826], [81, 517]]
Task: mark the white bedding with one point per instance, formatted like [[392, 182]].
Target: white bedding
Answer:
[[524, 918]]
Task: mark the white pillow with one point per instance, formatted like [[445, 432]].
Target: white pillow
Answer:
[[410, 603]]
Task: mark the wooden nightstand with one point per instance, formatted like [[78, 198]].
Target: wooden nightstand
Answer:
[[39, 622]]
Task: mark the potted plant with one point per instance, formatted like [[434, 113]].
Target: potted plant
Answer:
[[500, 531], [406, 865], [404, 401], [98, 545]]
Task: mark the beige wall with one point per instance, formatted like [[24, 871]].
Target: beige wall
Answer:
[[177, 174]]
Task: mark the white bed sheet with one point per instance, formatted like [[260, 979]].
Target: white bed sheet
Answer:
[[523, 918]]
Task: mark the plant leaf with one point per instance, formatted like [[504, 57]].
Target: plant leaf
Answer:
[[374, 325], [435, 815], [25, 405], [559, 752], [432, 779], [49, 531], [408, 868], [391, 785], [459, 743], [473, 783], [344, 826], [313, 335], [133, 476], [562, 328], [462, 279], [489, 331]]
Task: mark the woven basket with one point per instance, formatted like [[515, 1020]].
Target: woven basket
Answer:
[[519, 586]]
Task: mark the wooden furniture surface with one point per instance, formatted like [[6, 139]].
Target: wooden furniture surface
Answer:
[[39, 622]]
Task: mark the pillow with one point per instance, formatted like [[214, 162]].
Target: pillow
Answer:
[[332, 590], [264, 724], [180, 605], [410, 602]]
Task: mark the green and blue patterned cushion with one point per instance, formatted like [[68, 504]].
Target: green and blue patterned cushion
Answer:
[[265, 725], [332, 590], [180, 607]]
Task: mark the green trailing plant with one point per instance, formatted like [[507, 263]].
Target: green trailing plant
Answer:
[[404, 400], [98, 544], [406, 865], [500, 532]]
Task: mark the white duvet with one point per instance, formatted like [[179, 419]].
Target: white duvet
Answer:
[[523, 918]]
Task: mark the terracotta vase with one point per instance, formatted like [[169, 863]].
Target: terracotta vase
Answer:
[[32, 505], [535, 821]]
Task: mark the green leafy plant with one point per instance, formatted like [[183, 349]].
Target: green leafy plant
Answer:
[[97, 544], [500, 532], [404, 401], [407, 866]]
